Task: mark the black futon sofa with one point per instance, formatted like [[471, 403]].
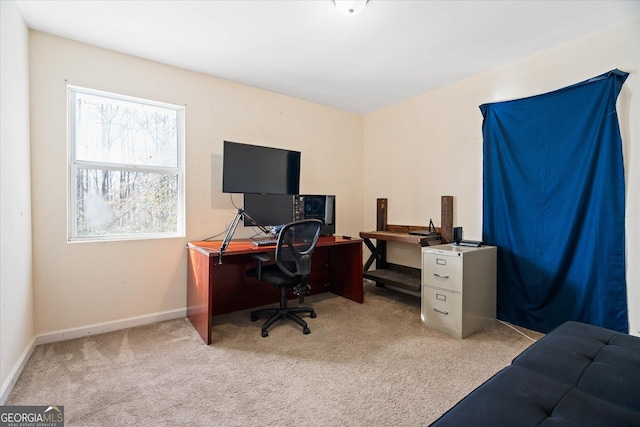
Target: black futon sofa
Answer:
[[576, 375]]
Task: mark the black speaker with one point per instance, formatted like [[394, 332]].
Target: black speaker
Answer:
[[457, 235], [320, 207]]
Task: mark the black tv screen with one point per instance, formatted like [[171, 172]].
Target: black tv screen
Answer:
[[255, 169]]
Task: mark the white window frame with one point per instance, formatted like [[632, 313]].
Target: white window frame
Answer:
[[74, 164]]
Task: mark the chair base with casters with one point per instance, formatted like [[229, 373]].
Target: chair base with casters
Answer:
[[283, 312]]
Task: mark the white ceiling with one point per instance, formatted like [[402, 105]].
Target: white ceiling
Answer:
[[394, 50]]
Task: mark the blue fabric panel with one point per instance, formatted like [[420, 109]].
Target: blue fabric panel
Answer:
[[554, 205]]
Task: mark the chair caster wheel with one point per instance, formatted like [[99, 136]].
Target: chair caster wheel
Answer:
[[306, 331], [265, 334], [254, 317], [313, 315]]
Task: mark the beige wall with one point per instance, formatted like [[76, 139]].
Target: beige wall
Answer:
[[82, 284], [432, 145], [16, 292]]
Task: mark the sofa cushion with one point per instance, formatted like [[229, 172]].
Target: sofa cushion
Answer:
[[620, 355], [513, 397], [596, 360], [603, 334], [627, 341], [517, 396], [581, 409], [577, 375], [616, 384], [555, 358]]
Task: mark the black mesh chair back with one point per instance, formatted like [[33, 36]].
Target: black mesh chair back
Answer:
[[296, 243]]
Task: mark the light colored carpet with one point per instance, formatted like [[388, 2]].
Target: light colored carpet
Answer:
[[370, 364]]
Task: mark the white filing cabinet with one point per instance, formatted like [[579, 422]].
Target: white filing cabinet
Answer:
[[458, 288]]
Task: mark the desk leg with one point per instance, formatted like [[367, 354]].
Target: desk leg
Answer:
[[199, 293], [345, 271], [378, 254]]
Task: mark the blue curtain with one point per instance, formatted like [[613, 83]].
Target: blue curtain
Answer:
[[554, 205]]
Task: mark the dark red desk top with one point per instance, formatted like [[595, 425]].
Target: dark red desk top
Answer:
[[244, 246]]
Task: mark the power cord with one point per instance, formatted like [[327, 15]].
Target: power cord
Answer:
[[515, 329]]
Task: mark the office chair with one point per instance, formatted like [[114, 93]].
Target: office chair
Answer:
[[292, 267]]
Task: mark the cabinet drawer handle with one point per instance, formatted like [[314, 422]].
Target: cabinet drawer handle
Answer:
[[446, 313], [442, 276]]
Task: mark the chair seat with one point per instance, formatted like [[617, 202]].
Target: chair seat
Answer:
[[272, 274]]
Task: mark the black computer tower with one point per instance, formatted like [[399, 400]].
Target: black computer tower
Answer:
[[322, 207], [276, 209]]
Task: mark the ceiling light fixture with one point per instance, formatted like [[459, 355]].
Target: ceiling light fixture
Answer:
[[350, 7]]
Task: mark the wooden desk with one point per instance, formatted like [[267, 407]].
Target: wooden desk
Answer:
[[401, 277], [215, 287]]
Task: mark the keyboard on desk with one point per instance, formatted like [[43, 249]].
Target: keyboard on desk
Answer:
[[264, 241]]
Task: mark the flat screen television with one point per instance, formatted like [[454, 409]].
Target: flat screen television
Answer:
[[250, 168]]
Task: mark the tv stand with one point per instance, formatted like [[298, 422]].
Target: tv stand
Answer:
[[241, 213]]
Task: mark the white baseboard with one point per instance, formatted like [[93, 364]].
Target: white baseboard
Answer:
[[68, 334], [16, 371], [115, 325]]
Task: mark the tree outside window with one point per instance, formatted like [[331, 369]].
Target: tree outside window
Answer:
[[126, 177]]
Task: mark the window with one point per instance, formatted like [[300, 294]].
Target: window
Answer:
[[126, 167]]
